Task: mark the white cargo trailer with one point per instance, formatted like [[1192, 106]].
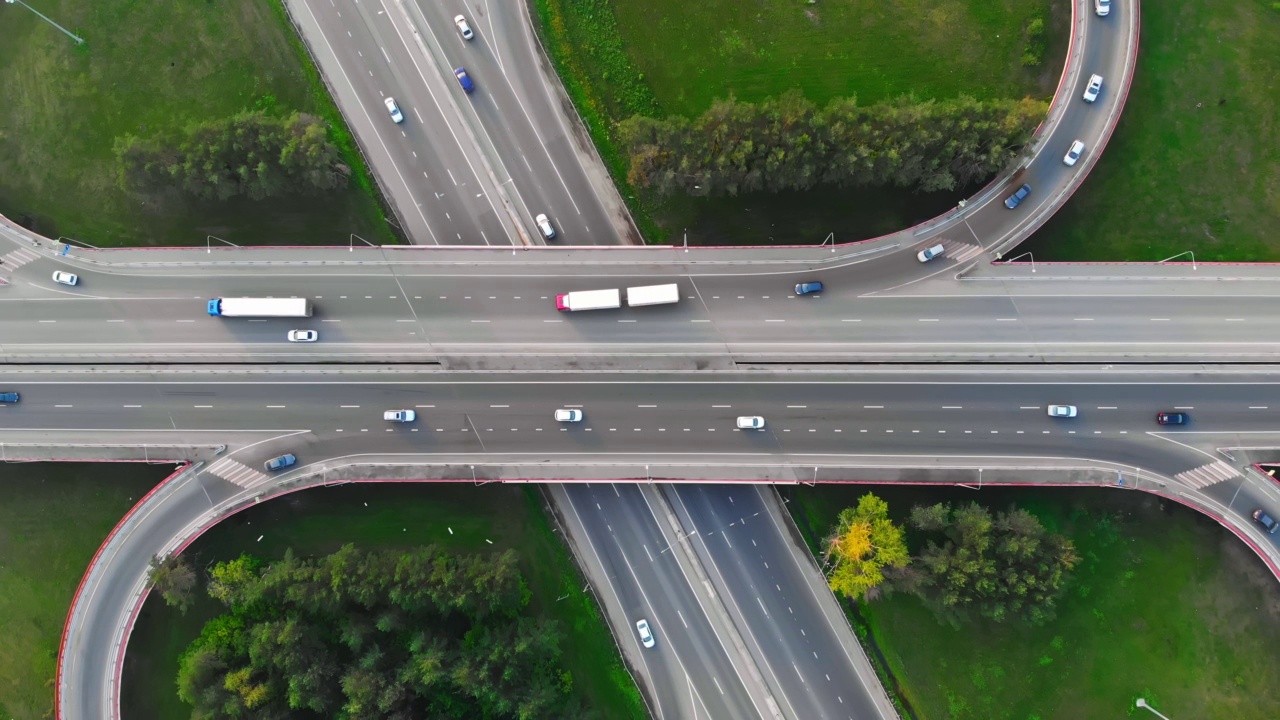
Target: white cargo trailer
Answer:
[[653, 295], [589, 300], [260, 307]]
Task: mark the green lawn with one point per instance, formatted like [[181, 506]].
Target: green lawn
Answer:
[[146, 68], [692, 53], [53, 517], [1195, 163], [318, 522], [1165, 605]]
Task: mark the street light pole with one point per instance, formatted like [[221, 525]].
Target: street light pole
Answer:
[[79, 40], [1143, 704]]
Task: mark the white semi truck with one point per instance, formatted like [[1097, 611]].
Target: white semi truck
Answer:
[[260, 307], [611, 299]]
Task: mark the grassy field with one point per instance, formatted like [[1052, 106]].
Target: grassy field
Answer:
[[663, 57], [148, 68], [1195, 162], [692, 53], [1165, 605], [318, 522], [53, 517]]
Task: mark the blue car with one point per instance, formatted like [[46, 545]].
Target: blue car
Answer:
[[808, 288], [8, 397], [281, 462], [1013, 200], [464, 80]]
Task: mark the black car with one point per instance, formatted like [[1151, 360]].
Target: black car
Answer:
[[1172, 418], [1266, 521]]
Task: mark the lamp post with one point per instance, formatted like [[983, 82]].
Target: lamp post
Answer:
[[68, 33], [1143, 704]]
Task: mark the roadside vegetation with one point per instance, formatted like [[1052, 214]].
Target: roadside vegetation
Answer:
[[395, 519], [53, 517], [1195, 162], [1162, 604], [657, 59], [152, 70]]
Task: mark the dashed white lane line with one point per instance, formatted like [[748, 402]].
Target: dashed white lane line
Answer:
[[1084, 319], [186, 321], [552, 321], [798, 407], [626, 321], [952, 407], [479, 321], [646, 406], [1159, 319], [768, 320], [499, 406], [872, 407], [276, 407], [927, 319], [1006, 319], [330, 321], [1029, 407], [1184, 407], [1106, 407], [202, 406], [850, 320], [408, 321], [133, 406], [700, 321], [1257, 407], [115, 321], [349, 406], [47, 321], [1233, 319], [63, 406], [721, 406]]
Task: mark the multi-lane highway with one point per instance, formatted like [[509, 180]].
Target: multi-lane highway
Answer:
[[463, 168], [744, 629]]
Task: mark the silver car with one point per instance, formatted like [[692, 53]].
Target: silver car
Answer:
[[1073, 154], [394, 109], [1093, 88], [1063, 411], [646, 635]]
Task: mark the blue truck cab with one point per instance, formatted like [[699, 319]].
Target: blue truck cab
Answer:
[[215, 307]]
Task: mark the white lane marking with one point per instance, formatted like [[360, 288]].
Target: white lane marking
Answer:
[[499, 406], [275, 407], [479, 321], [952, 407], [1106, 407], [133, 406], [409, 320], [202, 406], [1029, 407], [330, 321], [47, 321], [58, 406], [872, 407], [1006, 319], [186, 321], [1233, 319], [850, 320], [1084, 319], [1257, 407], [348, 406], [648, 406], [1159, 319], [1184, 407], [928, 319], [801, 407], [775, 320]]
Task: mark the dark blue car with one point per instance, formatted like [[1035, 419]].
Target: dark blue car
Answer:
[[1172, 418], [8, 397], [281, 462], [808, 288], [464, 80], [1013, 200]]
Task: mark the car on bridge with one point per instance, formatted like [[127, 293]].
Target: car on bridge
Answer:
[[1093, 88], [1015, 199], [808, 288], [934, 251], [401, 416], [1267, 522], [545, 227], [1073, 153], [8, 397], [750, 422], [66, 278], [1172, 418], [303, 336], [280, 463], [1064, 411], [568, 415], [1102, 7]]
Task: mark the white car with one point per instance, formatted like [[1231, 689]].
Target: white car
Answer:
[[544, 226], [1073, 154], [463, 28], [303, 336], [1093, 88], [568, 415], [66, 278], [1062, 411], [929, 253], [646, 635], [400, 415], [1102, 7], [394, 109], [750, 422]]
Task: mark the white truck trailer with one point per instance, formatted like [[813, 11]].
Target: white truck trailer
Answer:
[[589, 300], [260, 307], [653, 295]]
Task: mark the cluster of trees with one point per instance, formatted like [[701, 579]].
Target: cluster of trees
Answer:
[[251, 154], [788, 143], [999, 567], [375, 635]]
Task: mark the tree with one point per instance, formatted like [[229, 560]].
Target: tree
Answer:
[[864, 543], [1003, 567], [174, 578], [382, 635]]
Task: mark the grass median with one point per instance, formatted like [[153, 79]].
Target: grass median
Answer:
[[149, 68], [1165, 605]]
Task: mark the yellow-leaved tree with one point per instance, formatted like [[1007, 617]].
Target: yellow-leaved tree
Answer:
[[863, 544]]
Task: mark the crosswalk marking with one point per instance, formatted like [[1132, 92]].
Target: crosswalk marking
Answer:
[[1206, 475], [237, 472], [17, 259], [961, 252]]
